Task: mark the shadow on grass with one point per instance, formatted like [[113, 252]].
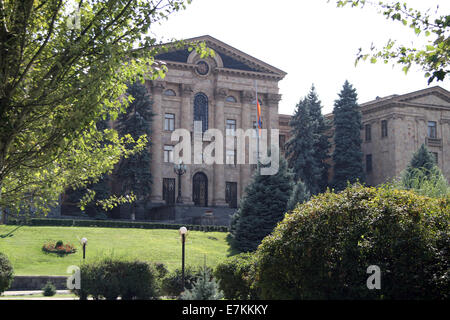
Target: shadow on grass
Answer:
[[231, 250], [11, 233]]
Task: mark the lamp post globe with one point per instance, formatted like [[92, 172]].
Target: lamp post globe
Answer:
[[183, 233]]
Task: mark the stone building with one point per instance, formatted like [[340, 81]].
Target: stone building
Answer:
[[395, 126], [219, 91]]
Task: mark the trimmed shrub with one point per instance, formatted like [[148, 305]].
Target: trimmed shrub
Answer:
[[111, 278], [49, 289], [235, 277], [6, 273], [322, 250], [113, 224]]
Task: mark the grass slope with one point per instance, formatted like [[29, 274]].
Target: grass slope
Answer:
[[23, 246]]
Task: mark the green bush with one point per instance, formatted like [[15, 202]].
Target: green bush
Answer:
[[235, 277], [49, 289], [112, 278], [323, 248], [172, 284], [6, 273]]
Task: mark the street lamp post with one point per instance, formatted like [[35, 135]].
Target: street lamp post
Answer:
[[179, 170], [183, 234], [84, 242]]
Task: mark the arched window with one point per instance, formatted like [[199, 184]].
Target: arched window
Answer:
[[231, 99], [201, 110], [170, 92]]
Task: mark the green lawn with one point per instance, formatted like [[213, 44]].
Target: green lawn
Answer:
[[24, 247]]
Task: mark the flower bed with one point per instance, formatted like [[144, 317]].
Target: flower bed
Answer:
[[59, 248]]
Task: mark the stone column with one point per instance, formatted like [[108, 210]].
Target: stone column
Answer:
[[156, 142], [219, 169], [246, 106], [186, 122]]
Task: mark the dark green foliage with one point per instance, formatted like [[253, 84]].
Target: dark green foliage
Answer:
[[347, 155], [300, 194], [323, 249], [423, 160], [261, 209], [204, 288], [6, 273], [235, 277], [114, 224], [308, 147], [172, 285], [49, 289], [134, 172], [111, 278], [322, 144], [300, 147]]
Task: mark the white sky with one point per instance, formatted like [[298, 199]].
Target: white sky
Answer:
[[312, 40]]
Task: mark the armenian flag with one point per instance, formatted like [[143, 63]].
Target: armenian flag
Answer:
[[258, 110]]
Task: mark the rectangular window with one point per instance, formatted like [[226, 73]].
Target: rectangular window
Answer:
[[169, 122], [432, 133], [230, 157], [384, 128], [368, 132], [368, 163], [168, 153], [231, 127], [282, 141]]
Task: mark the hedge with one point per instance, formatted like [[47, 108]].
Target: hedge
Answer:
[[113, 224]]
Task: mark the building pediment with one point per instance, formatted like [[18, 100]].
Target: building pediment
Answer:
[[228, 58]]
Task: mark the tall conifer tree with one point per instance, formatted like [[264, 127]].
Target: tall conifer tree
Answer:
[[321, 138], [347, 155], [263, 206], [134, 172], [300, 148]]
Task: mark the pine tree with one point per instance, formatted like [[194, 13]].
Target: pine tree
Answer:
[[263, 206], [322, 144], [300, 148], [134, 172], [347, 155], [300, 194], [422, 165], [204, 288]]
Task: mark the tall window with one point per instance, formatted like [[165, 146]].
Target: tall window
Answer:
[[168, 153], [169, 122], [368, 163], [282, 141], [432, 133], [384, 128], [201, 110], [231, 127], [169, 190], [436, 159], [368, 132]]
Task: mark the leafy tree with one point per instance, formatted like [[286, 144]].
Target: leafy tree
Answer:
[[322, 144], [347, 155], [57, 79], [300, 194], [434, 58], [262, 208], [300, 147], [134, 172]]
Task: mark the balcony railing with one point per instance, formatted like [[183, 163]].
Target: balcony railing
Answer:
[[433, 142]]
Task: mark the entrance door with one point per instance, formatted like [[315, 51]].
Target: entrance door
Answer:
[[169, 190], [200, 189], [231, 194]]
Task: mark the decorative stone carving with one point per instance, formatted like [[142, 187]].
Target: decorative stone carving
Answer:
[[247, 97], [220, 93], [158, 87], [186, 89]]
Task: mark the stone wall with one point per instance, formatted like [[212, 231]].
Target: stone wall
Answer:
[[26, 283]]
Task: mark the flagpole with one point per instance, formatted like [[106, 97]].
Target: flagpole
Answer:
[[257, 127]]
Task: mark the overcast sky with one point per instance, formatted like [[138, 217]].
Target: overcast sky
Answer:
[[311, 40]]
